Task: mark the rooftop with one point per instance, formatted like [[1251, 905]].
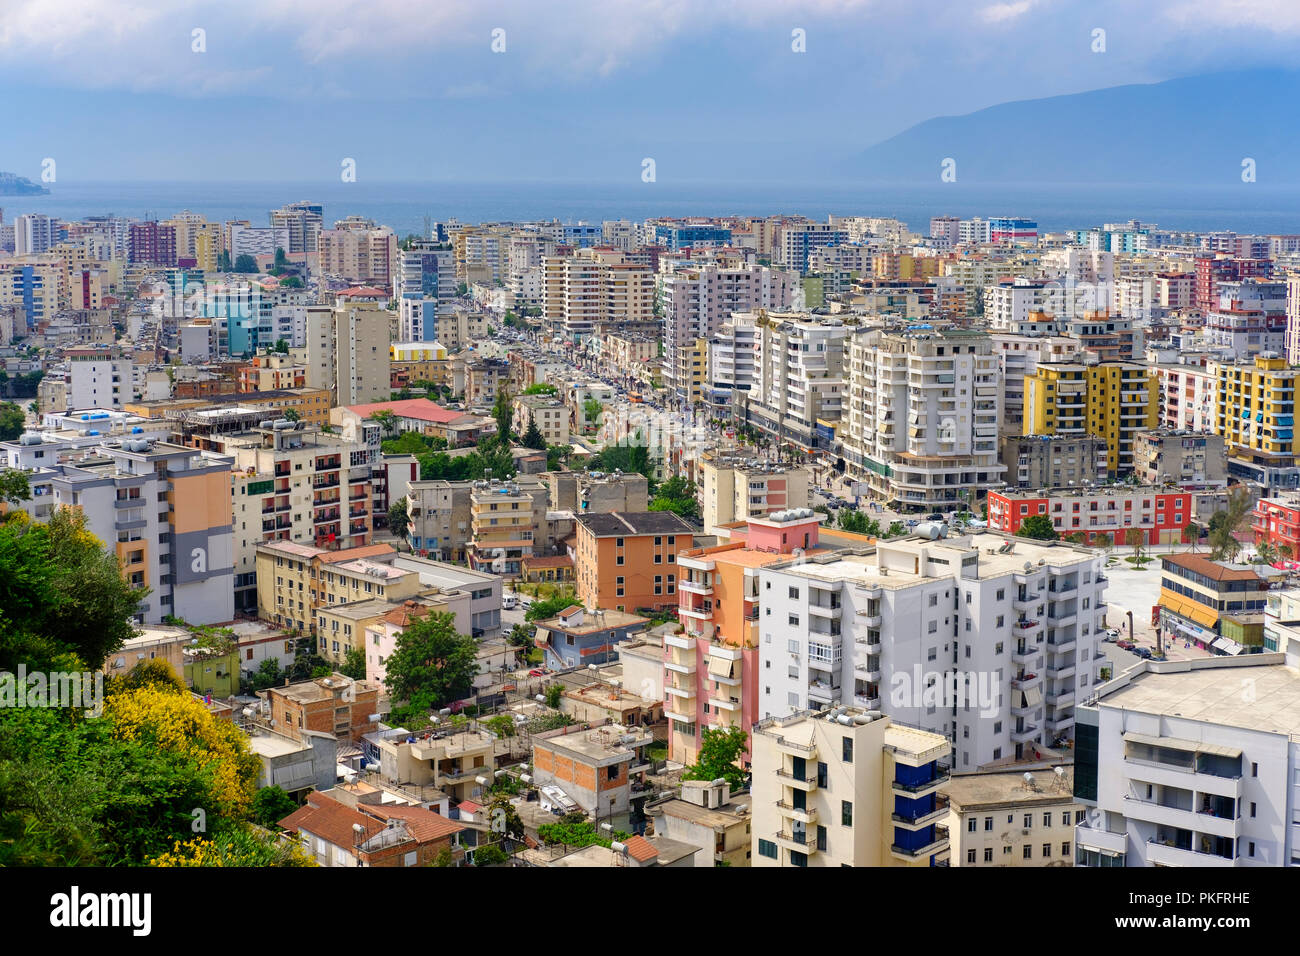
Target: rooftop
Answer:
[[1214, 694], [971, 791], [618, 523]]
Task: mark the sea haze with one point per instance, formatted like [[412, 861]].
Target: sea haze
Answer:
[[1244, 207]]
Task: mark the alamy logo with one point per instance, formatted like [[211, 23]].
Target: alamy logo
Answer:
[[134, 910], [960, 689], [53, 689]]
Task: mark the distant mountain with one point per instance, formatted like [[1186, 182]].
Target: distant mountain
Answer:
[[1194, 130], [11, 184]]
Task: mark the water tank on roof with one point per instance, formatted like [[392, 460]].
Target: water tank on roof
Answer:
[[137, 430], [282, 424], [932, 530], [93, 431], [30, 438]]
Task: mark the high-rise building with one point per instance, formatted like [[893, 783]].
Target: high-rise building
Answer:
[[1256, 408], [302, 221], [923, 415], [361, 352], [596, 289], [1112, 400], [34, 234]]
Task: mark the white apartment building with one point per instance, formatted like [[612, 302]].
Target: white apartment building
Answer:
[[847, 788], [594, 288], [924, 411], [738, 488], [35, 233], [1192, 763], [361, 353], [733, 362], [801, 378], [98, 377], [960, 636], [1188, 397]]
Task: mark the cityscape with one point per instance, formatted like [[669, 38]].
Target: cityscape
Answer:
[[953, 527]]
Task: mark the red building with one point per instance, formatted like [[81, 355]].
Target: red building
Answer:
[[1161, 515], [1211, 270], [1276, 521]]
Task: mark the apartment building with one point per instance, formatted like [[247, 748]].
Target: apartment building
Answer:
[[272, 371], [1113, 400], [848, 787], [697, 299], [361, 351], [98, 377], [1187, 459], [628, 560], [508, 522], [1179, 766], [333, 833], [797, 241], [801, 381], [164, 510], [1255, 414], [1276, 521], [294, 580], [983, 639], [578, 637], [302, 221], [923, 416], [733, 363], [1012, 818], [1054, 461], [360, 252], [550, 415], [735, 488], [708, 817], [595, 288], [601, 770], [711, 667], [597, 492], [1188, 397], [1160, 514], [1018, 357]]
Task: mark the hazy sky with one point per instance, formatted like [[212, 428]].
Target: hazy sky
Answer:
[[585, 89]]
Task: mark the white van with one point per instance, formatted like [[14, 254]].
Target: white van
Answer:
[[509, 602]]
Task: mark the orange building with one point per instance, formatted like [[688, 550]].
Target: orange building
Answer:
[[628, 560], [335, 705], [711, 668]]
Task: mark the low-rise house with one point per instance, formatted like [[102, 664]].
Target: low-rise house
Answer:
[[577, 637], [707, 817], [335, 834], [600, 769]]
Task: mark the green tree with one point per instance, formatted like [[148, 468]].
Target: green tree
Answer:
[[387, 421], [354, 664], [549, 608], [281, 260], [431, 666], [541, 388], [592, 410], [504, 413], [1038, 527], [292, 415], [554, 693], [270, 806], [268, 674], [1225, 524], [12, 421], [245, 263], [677, 495], [521, 635], [444, 858], [1135, 538], [896, 529], [533, 437], [399, 518], [719, 757], [281, 346], [14, 486], [503, 725], [859, 522], [490, 855]]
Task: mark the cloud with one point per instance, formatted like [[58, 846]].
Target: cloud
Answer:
[[1003, 12]]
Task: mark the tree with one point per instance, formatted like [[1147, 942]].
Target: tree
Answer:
[[1225, 524], [490, 855], [677, 495], [292, 415], [592, 409], [268, 674], [281, 346], [12, 421], [521, 635], [431, 666], [544, 610], [858, 522], [1103, 540], [533, 437], [399, 518], [503, 725], [541, 388], [1135, 538], [554, 693], [280, 260], [387, 421], [245, 263], [14, 486], [270, 806], [444, 858], [1265, 553], [354, 664], [1038, 527], [504, 413], [719, 757], [896, 529]]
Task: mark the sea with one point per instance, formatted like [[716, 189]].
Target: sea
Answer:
[[1251, 208]]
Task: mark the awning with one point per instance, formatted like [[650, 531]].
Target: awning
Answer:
[[1218, 643], [1175, 743], [1033, 697], [1231, 647], [1192, 610], [720, 667]]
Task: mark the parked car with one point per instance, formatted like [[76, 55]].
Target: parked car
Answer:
[[1143, 652], [1125, 645], [509, 602], [536, 672]]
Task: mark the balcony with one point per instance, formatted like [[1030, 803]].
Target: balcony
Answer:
[[1061, 647], [923, 819], [725, 703], [803, 814], [695, 587], [1025, 655], [920, 789], [829, 611], [1025, 734], [937, 845], [1064, 620], [871, 643], [683, 641], [682, 692], [1064, 698], [1027, 604], [678, 717], [1025, 626], [805, 783], [1059, 723], [1060, 673], [1026, 682], [700, 612], [799, 840], [1162, 854]]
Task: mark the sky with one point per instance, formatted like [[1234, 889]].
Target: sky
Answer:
[[711, 90]]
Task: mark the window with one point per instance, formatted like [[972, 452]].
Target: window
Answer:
[[1047, 850], [794, 620], [1029, 820], [794, 594], [988, 854], [971, 825], [970, 856], [988, 824], [1047, 819], [767, 848], [847, 750], [1065, 848], [846, 813], [1027, 852]]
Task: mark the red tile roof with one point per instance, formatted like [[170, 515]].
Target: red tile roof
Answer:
[[639, 849], [325, 817], [424, 825], [408, 612]]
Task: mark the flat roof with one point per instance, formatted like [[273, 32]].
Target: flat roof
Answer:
[[979, 790], [1214, 694]]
